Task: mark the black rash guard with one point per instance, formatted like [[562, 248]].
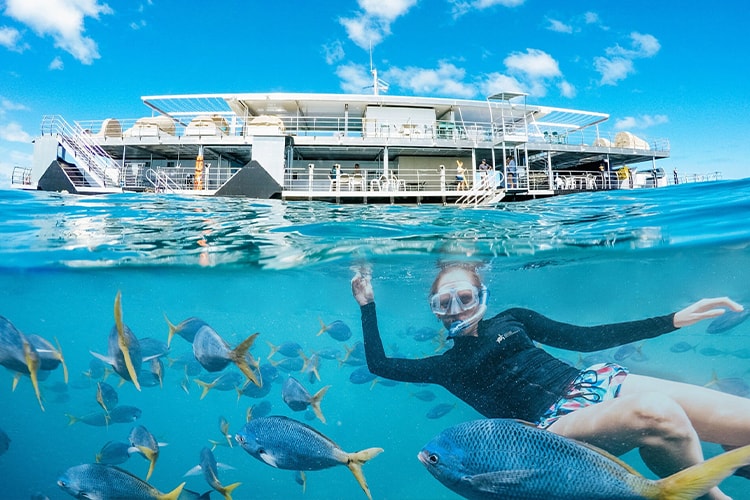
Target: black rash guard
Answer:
[[500, 372]]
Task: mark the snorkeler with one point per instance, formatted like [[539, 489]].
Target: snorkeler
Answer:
[[495, 367]]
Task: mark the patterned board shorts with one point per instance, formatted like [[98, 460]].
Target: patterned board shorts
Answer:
[[599, 382]]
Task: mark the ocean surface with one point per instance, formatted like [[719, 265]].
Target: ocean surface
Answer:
[[282, 269]]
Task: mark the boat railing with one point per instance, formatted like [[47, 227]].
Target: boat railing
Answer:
[[87, 152], [201, 125], [21, 176]]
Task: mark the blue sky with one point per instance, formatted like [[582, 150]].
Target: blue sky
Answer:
[[660, 69]]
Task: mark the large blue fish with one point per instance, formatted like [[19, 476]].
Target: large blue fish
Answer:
[[19, 355], [504, 458], [185, 329], [107, 482], [285, 443], [298, 398], [338, 330]]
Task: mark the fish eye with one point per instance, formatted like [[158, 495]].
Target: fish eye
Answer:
[[239, 439], [261, 451], [433, 459]]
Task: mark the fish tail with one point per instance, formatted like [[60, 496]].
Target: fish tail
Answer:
[[151, 456], [72, 419], [315, 403], [122, 342], [32, 363], [172, 495], [16, 379], [323, 327], [226, 491], [273, 348], [309, 364], [205, 386], [697, 480], [172, 330], [355, 461], [238, 357], [62, 360]]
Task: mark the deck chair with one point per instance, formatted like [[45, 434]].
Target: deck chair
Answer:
[[356, 181]]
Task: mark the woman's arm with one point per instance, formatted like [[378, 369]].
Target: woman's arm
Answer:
[[405, 370]]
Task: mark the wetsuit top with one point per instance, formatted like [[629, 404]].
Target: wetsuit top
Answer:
[[500, 372]]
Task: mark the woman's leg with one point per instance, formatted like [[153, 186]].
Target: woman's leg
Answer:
[[718, 417]]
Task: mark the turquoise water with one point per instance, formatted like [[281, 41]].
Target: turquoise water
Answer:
[[279, 268]]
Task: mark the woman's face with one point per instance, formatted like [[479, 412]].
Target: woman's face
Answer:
[[454, 290]]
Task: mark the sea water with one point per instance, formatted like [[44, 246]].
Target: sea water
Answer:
[[280, 269]]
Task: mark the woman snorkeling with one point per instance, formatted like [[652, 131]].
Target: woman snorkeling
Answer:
[[495, 367]]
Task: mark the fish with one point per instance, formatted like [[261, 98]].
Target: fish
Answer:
[[439, 410], [297, 398], [505, 458], [361, 375], [424, 395], [123, 348], [332, 353], [155, 373], [95, 418], [97, 369], [151, 347], [146, 444], [730, 385], [114, 453], [338, 330], [124, 414], [19, 355], [262, 409], [287, 349], [50, 356], [288, 444], [310, 366], [355, 355], [214, 353], [4, 442], [209, 467], [727, 321], [253, 391], [289, 364], [224, 428], [109, 482], [226, 381], [187, 363], [106, 396], [683, 346], [185, 329]]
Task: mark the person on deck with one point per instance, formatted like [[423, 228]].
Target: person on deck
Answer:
[[496, 367]]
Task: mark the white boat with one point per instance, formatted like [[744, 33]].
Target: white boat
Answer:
[[343, 148]]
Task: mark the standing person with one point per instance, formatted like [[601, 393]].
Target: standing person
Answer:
[[511, 169], [676, 178], [460, 176], [484, 170], [496, 367]]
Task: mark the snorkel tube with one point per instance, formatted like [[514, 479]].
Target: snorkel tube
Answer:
[[458, 327]]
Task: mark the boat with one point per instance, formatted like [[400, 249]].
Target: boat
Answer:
[[344, 148]]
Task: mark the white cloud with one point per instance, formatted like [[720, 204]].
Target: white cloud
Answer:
[[613, 70], [334, 52], [373, 23], [591, 18], [10, 38], [559, 26], [355, 78], [446, 79], [8, 105], [640, 122], [566, 89], [461, 7], [13, 132], [63, 20], [498, 82], [534, 62], [56, 64]]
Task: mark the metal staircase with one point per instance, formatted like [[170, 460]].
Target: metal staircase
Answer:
[[483, 193], [91, 167]]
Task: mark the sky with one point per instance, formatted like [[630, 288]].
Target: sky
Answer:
[[661, 69]]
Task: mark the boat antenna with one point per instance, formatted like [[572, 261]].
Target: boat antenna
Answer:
[[377, 83]]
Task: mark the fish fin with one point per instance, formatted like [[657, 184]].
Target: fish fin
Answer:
[[62, 360], [123, 342], [194, 471], [221, 466], [238, 357], [102, 357], [226, 491], [315, 403], [272, 348], [355, 462], [32, 364], [16, 378], [98, 458], [72, 419], [172, 495], [697, 480], [151, 455], [172, 330], [303, 476], [268, 458], [323, 327], [205, 386], [491, 481]]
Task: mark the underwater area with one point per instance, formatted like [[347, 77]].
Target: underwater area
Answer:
[[284, 270]]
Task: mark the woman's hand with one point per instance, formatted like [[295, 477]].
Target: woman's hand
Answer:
[[362, 287], [705, 309]]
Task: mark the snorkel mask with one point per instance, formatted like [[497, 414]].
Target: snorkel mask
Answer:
[[457, 298]]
